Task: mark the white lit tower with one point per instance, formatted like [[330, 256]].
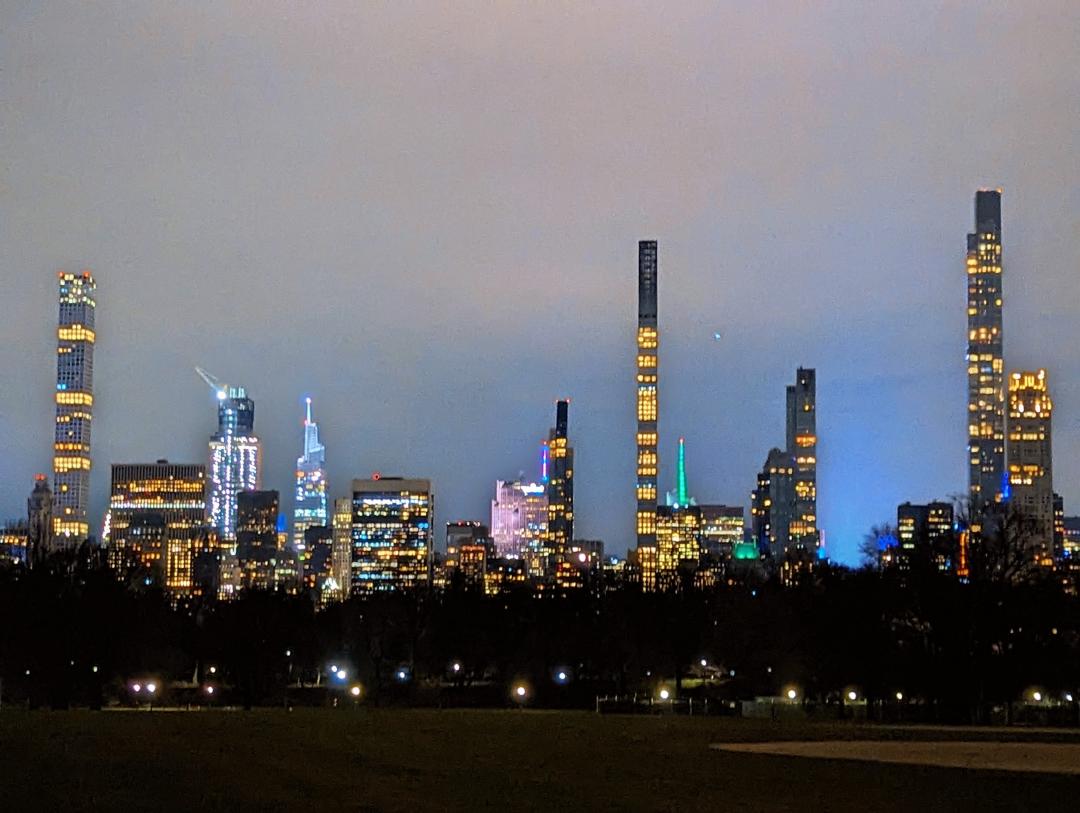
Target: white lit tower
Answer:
[[235, 456]]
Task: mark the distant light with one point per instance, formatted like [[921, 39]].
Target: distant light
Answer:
[[457, 667], [792, 694], [732, 673], [221, 395], [704, 662], [899, 695], [851, 695], [151, 687], [213, 670], [137, 687], [342, 674], [664, 694], [402, 674], [520, 692], [333, 669], [1068, 697], [288, 653], [93, 669], [355, 691], [1037, 697], [768, 669], [209, 689]]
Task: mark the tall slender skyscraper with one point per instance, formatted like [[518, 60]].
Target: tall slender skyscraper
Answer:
[[648, 341], [1031, 480], [235, 456], [985, 359], [560, 481], [802, 449], [74, 407], [311, 508]]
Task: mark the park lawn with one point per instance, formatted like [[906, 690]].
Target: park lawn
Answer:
[[385, 759]]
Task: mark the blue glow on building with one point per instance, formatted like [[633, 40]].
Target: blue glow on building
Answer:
[[311, 504]]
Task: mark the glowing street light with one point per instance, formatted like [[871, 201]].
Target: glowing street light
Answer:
[[209, 689], [456, 667], [355, 691], [665, 694], [1036, 696], [342, 674], [136, 687], [1068, 697], [151, 687], [792, 694], [852, 695], [704, 662], [899, 695], [213, 670]]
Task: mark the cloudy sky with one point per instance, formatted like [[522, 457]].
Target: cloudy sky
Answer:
[[426, 217]]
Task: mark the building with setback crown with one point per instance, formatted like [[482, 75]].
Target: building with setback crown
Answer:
[[560, 481], [310, 509], [235, 457], [1030, 459], [158, 516], [74, 407], [985, 358], [391, 534], [647, 382]]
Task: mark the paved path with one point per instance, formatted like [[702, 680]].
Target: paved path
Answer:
[[1039, 757]]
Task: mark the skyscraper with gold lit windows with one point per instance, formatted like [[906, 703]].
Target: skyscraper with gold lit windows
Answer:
[[560, 481], [985, 360], [648, 341], [74, 407], [1031, 482]]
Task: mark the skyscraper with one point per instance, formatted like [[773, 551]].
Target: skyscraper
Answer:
[[771, 506], [158, 515], [647, 411], [392, 534], [39, 508], [235, 456], [985, 359], [257, 548], [311, 508], [74, 407], [1031, 481], [519, 519], [560, 482], [803, 538], [341, 552]]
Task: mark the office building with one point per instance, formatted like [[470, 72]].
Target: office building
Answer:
[[1030, 461], [771, 508], [678, 544], [311, 506], [722, 528], [263, 561], [924, 534], [519, 521], [647, 383], [559, 479], [235, 457], [158, 514], [74, 408], [392, 534], [341, 553], [13, 543], [985, 358]]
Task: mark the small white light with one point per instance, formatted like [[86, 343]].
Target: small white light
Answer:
[[1068, 697], [288, 653], [151, 687], [703, 662], [520, 691], [401, 675], [899, 695], [209, 689], [93, 669], [562, 675], [136, 688], [1037, 697], [213, 670], [342, 674], [664, 694], [355, 691], [851, 695], [791, 694], [457, 667]]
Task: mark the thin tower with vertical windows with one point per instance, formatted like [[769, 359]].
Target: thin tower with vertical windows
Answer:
[[311, 506], [648, 341], [987, 477], [74, 407], [559, 477]]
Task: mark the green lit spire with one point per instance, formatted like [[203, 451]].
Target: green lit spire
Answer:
[[683, 497]]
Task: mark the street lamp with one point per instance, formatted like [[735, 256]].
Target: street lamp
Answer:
[[665, 694], [852, 695], [355, 691], [792, 694]]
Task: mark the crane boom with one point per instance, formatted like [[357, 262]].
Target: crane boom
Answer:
[[212, 380]]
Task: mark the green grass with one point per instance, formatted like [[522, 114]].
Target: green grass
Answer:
[[461, 760]]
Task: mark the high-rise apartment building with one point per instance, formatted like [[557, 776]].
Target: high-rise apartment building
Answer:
[[235, 457], [74, 407], [927, 526], [560, 482], [341, 552], [1030, 459], [392, 534], [678, 544], [39, 508], [158, 516], [311, 508], [985, 359], [803, 537], [647, 382], [771, 506], [260, 557], [519, 520]]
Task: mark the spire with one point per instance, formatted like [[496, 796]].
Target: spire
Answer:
[[307, 420], [683, 498], [313, 450]]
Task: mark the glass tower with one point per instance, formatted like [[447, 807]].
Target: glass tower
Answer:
[[74, 407], [985, 360], [1031, 481], [802, 449], [560, 481], [311, 508], [391, 534], [647, 412], [235, 458]]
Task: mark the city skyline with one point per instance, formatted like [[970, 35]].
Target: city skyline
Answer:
[[441, 389]]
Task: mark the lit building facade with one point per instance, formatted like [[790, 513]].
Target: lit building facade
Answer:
[[74, 407], [391, 534], [1030, 459], [13, 543], [263, 562], [803, 538], [930, 525], [311, 507], [985, 359], [158, 516], [770, 504], [341, 554], [647, 384], [235, 459], [678, 544], [722, 528], [560, 481], [519, 520]]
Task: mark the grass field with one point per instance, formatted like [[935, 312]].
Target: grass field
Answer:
[[460, 760]]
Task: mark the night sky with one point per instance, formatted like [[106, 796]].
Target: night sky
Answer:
[[427, 219]]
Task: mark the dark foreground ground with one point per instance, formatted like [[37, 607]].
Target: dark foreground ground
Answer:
[[333, 761]]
